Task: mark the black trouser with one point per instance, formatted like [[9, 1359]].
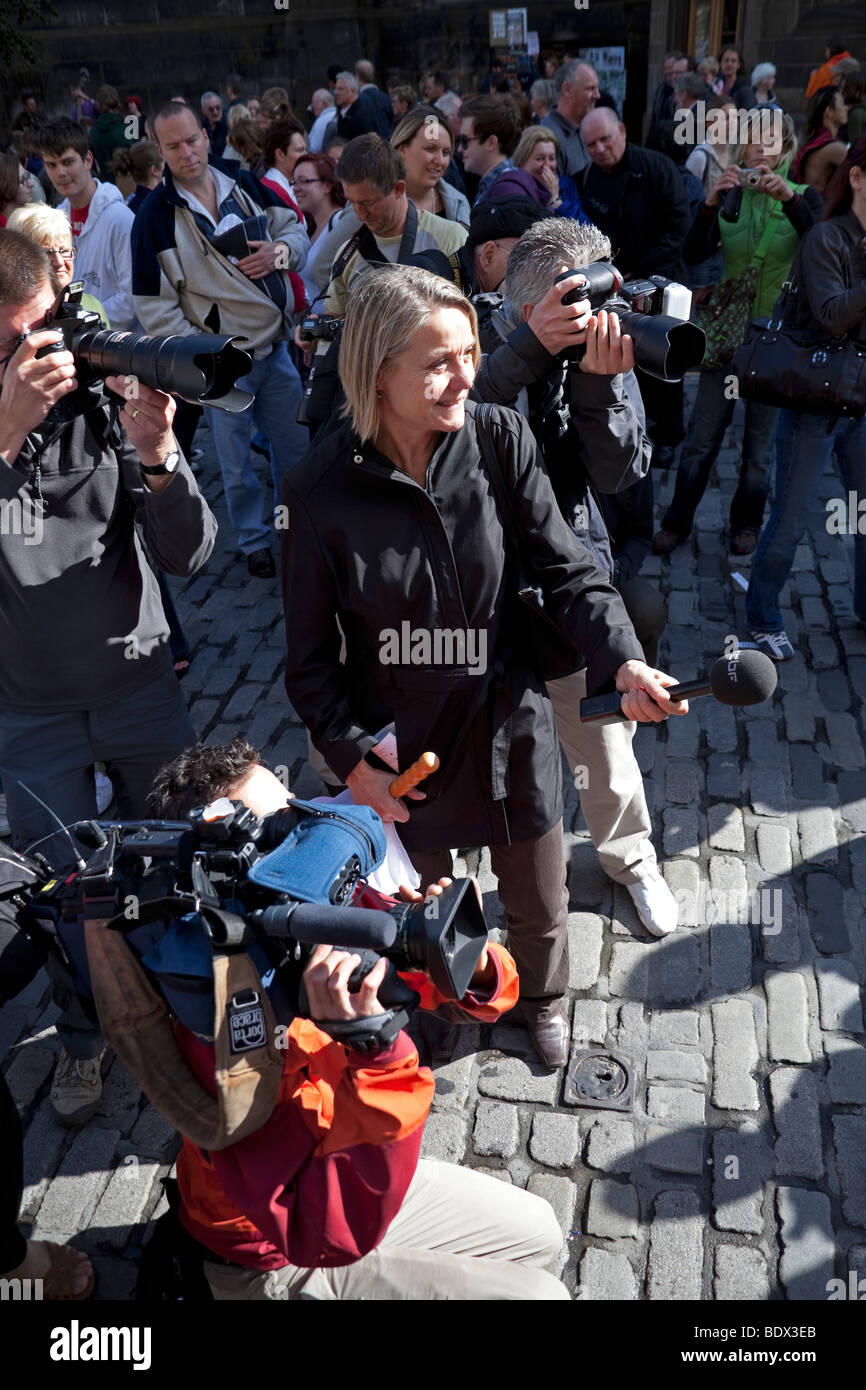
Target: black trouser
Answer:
[[648, 612], [13, 1246]]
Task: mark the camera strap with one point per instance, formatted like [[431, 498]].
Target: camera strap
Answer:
[[137, 1023]]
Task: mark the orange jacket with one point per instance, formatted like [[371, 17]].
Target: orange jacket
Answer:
[[823, 76], [320, 1183]]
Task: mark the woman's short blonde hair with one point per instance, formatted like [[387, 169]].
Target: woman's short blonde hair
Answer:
[[533, 135], [386, 310], [41, 224], [239, 112]]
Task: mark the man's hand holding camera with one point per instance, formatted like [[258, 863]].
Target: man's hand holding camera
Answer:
[[559, 326], [31, 386], [326, 978], [147, 418]]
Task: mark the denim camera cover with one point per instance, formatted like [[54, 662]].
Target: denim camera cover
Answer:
[[312, 855]]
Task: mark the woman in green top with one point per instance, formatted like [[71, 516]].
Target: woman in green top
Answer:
[[758, 226]]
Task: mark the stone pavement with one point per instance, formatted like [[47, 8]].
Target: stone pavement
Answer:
[[741, 1170]]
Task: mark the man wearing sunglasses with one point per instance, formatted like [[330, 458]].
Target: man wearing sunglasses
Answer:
[[87, 672], [489, 131]]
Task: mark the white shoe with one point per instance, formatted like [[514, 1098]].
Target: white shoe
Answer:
[[655, 904]]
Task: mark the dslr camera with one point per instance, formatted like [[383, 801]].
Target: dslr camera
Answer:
[[654, 312], [319, 326], [201, 367]]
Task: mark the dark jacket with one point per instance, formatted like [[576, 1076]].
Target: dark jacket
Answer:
[[363, 116], [650, 218], [107, 135], [368, 545], [81, 612], [829, 276], [590, 428]]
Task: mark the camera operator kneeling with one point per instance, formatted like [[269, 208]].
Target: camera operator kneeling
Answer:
[[328, 1199]]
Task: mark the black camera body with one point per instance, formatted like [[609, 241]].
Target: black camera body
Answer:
[[201, 368], [320, 326], [654, 312]]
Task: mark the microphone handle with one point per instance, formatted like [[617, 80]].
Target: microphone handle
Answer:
[[607, 709]]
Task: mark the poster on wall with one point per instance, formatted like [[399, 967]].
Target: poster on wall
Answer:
[[508, 28], [609, 63]]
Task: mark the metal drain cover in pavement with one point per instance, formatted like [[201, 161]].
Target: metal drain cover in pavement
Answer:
[[601, 1079]]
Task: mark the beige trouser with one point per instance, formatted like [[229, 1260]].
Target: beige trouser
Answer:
[[609, 780], [458, 1235]]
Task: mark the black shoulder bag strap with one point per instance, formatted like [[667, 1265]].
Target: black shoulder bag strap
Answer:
[[365, 243], [551, 652]]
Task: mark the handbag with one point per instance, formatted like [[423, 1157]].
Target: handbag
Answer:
[[784, 366], [538, 637], [724, 317]]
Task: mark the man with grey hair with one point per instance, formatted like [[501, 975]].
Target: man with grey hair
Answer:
[[214, 122], [357, 114], [577, 85], [323, 107], [569, 371]]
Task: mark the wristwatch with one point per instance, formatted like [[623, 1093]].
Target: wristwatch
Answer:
[[164, 469]]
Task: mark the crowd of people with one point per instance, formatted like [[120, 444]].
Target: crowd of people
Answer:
[[447, 416]]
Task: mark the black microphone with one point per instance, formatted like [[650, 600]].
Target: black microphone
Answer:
[[746, 677]]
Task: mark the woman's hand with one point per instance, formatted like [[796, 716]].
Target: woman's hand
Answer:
[[729, 179], [644, 696], [550, 178], [370, 787], [774, 185]]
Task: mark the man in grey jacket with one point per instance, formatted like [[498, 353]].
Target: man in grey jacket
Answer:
[[186, 280], [589, 424], [86, 674]]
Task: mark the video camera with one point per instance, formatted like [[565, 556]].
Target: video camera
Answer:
[[654, 312], [202, 368], [275, 887]]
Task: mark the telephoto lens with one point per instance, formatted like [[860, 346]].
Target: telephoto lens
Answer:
[[201, 368]]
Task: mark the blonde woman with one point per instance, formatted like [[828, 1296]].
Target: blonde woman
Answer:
[[426, 145], [395, 529], [50, 229], [536, 155]]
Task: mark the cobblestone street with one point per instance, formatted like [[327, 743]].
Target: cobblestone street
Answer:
[[740, 1172]]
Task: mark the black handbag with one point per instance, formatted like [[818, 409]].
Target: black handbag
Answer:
[[785, 366], [538, 638]]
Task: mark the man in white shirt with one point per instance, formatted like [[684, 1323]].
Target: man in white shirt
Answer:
[[101, 221], [324, 112]]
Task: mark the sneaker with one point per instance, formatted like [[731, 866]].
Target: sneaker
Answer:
[[655, 904], [77, 1088], [775, 645]]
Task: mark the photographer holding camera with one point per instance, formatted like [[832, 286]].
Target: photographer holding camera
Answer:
[[88, 675], [587, 417]]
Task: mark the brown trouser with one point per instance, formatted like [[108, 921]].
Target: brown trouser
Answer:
[[532, 890]]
